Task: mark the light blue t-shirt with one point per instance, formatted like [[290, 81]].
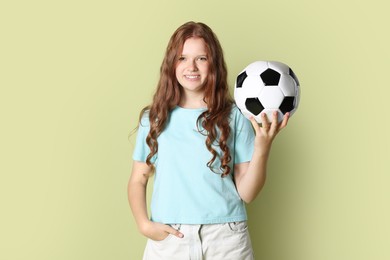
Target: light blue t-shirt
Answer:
[[185, 190]]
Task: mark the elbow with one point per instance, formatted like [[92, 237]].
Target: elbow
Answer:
[[248, 198], [249, 195]]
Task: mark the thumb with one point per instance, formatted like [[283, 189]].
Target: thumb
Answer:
[[254, 124], [174, 232]]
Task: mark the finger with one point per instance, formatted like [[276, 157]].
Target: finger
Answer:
[[274, 123], [255, 124], [264, 121], [174, 232], [283, 124]]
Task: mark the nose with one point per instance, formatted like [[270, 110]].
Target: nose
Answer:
[[192, 65]]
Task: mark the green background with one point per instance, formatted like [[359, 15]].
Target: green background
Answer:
[[75, 74]]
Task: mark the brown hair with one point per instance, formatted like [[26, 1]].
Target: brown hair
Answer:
[[214, 121]]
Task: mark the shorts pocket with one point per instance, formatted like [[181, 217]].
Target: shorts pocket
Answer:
[[238, 227], [169, 236]]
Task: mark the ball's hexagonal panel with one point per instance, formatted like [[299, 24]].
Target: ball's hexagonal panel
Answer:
[[271, 97], [270, 77], [246, 113], [254, 106], [278, 66], [256, 68], [240, 102], [297, 98], [269, 114], [252, 86], [287, 85]]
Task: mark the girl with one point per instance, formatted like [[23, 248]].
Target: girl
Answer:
[[208, 159]]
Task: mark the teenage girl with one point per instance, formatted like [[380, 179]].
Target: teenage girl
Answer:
[[208, 160]]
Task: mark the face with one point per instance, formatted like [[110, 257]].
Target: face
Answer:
[[192, 66]]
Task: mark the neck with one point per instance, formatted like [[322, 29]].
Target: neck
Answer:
[[198, 102]]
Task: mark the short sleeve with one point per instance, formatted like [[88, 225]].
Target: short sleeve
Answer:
[[244, 138], [142, 150]]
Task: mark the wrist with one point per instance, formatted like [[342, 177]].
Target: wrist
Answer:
[[262, 151], [143, 226]]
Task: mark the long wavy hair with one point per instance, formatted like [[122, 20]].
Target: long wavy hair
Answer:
[[213, 122]]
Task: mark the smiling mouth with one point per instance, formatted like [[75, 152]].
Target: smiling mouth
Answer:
[[192, 76]]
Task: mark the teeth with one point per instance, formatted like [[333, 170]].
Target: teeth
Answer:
[[192, 77]]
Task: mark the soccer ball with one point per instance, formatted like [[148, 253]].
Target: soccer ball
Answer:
[[265, 87]]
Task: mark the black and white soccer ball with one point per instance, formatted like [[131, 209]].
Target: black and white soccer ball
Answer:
[[265, 87]]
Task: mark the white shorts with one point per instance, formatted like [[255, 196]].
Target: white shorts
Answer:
[[227, 241]]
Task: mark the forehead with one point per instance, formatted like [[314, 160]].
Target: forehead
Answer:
[[194, 45]]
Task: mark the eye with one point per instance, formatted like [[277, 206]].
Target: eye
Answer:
[[181, 58], [202, 58]]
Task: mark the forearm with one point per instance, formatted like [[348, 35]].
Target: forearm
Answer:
[[253, 180], [137, 201]]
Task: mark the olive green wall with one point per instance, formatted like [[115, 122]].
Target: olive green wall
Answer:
[[74, 75]]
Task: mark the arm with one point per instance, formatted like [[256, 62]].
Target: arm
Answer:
[[250, 176], [136, 191]]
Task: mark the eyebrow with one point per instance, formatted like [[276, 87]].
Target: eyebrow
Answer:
[[181, 55]]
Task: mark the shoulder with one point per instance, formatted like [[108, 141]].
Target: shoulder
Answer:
[[235, 110], [238, 122], [144, 119], [235, 114]]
